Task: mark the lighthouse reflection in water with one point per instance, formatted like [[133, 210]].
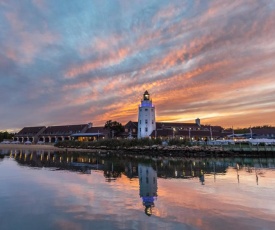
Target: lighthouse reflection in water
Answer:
[[147, 187]]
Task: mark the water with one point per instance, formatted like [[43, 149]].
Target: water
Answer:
[[47, 190]]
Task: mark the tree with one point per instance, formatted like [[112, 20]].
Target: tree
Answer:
[[114, 127], [5, 135]]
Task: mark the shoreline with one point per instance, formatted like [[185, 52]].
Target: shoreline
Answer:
[[42, 147], [22, 146], [185, 152]]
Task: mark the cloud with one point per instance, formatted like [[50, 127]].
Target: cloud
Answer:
[[91, 61]]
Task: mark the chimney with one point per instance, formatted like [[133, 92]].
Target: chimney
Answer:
[[90, 125], [198, 122]]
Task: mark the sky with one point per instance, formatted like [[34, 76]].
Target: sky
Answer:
[[73, 62]]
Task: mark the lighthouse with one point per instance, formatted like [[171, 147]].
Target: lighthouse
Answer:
[[146, 117]]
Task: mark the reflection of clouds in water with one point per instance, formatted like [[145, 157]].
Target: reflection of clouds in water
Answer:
[[67, 224], [87, 200], [224, 196]]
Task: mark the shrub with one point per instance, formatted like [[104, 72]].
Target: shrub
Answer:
[[110, 143]]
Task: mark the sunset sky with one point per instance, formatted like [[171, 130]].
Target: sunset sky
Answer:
[[73, 62]]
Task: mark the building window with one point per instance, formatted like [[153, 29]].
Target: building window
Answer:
[[140, 130], [146, 121], [134, 130], [126, 130], [146, 129], [139, 121], [152, 110], [145, 109], [152, 122]]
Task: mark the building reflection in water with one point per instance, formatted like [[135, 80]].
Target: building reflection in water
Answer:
[[114, 167], [111, 171], [202, 177], [147, 187]]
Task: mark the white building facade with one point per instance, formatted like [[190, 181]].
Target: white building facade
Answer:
[[146, 117]]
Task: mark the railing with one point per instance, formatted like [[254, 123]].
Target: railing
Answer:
[[249, 148]]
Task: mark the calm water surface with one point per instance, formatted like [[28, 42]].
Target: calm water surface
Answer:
[[50, 190]]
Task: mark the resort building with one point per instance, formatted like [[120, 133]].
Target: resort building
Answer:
[[130, 130], [60, 133], [52, 134], [91, 134], [29, 134], [264, 132], [190, 131]]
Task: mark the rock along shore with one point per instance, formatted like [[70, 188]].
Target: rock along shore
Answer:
[[153, 151]]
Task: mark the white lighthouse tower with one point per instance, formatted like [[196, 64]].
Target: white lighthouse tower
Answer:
[[146, 117]]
